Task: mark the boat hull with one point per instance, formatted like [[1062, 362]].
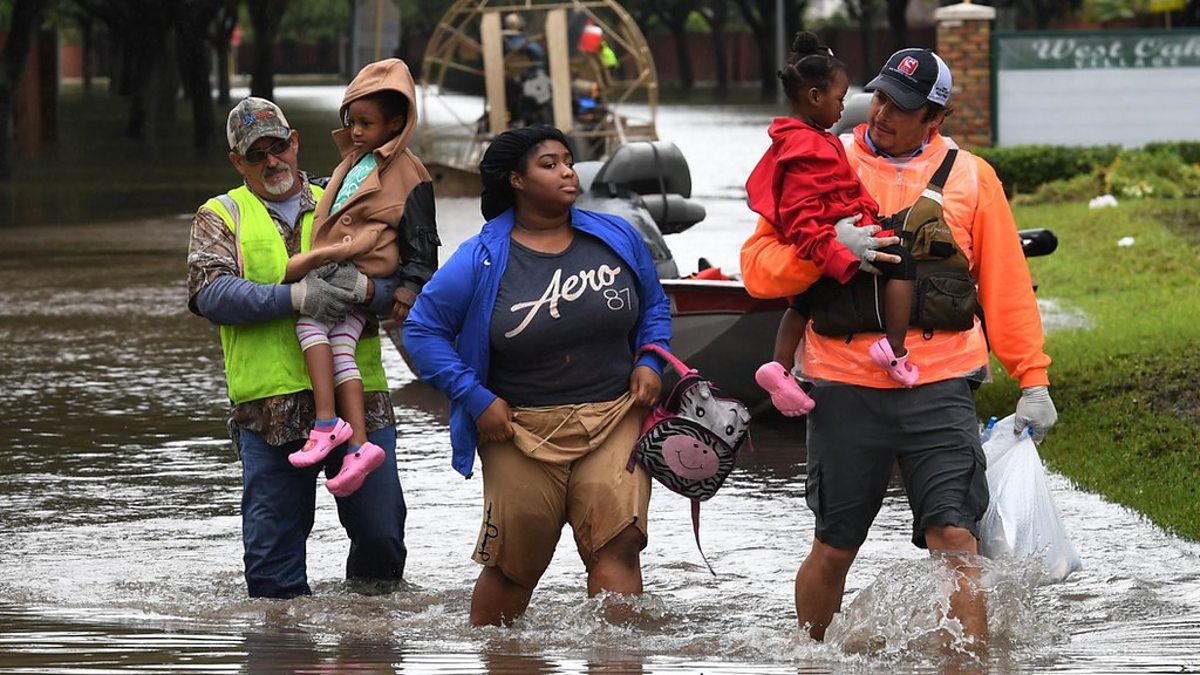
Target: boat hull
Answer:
[[721, 331]]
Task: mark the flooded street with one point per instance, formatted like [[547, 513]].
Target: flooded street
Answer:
[[121, 535]]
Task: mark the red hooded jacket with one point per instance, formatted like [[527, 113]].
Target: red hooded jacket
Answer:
[[804, 184]]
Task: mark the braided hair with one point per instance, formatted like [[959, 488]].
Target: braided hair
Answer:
[[509, 152], [809, 65]]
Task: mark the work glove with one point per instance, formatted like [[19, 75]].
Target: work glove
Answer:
[[860, 240], [315, 297], [1036, 411], [345, 275]]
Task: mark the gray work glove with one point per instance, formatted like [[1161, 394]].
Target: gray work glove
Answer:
[[345, 275], [315, 297], [1036, 411], [860, 240]]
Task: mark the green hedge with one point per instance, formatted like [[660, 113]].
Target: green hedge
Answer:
[[1188, 151], [1024, 168], [1158, 172]]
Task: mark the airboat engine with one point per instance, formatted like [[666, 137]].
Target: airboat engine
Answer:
[[649, 184]]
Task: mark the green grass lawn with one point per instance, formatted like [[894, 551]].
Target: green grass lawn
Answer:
[[1128, 386]]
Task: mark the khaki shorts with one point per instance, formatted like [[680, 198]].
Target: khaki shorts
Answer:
[[565, 464]]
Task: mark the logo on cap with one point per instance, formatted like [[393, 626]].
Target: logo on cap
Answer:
[[253, 117], [908, 65]]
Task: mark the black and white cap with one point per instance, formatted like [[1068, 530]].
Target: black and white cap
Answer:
[[913, 76]]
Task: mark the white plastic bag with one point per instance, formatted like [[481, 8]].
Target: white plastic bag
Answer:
[[1021, 520]]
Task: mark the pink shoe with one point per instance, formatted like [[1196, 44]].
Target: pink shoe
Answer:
[[786, 395], [320, 442], [897, 367], [355, 467]]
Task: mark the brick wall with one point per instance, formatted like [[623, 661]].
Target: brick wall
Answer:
[[964, 41]]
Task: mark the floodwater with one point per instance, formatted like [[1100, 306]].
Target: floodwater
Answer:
[[121, 538]]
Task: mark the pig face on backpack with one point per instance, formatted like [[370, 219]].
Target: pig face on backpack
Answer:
[[689, 442]]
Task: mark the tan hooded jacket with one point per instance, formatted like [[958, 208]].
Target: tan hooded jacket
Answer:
[[375, 214]]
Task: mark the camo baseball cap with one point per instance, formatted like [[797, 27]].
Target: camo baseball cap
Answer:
[[254, 118]]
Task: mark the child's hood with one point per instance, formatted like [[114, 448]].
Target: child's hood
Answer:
[[791, 137], [385, 75]]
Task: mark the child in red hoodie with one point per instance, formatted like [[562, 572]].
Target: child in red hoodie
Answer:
[[804, 184]]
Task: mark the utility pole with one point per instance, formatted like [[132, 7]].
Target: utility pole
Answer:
[[780, 46]]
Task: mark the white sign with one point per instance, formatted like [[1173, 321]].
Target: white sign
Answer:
[[1127, 88]]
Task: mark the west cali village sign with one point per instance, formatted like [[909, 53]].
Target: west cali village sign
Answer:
[[1098, 50]]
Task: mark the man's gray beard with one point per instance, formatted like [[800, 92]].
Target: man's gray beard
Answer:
[[280, 187]]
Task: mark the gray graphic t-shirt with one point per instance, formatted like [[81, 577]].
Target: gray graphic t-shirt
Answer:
[[561, 326]]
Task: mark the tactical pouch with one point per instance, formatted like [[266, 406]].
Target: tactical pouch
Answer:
[[945, 296]]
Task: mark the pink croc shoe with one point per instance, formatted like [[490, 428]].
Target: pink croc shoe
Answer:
[[897, 367], [786, 395], [320, 442], [355, 467]]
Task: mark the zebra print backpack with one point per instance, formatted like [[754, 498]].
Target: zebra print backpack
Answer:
[[690, 440]]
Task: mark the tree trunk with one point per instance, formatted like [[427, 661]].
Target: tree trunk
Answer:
[[262, 73], [687, 76], [116, 62], [265, 15], [166, 91], [717, 16], [866, 38], [757, 18], [222, 33], [223, 84], [864, 12], [144, 86], [897, 23], [48, 78], [793, 16], [194, 69], [26, 17], [88, 37]]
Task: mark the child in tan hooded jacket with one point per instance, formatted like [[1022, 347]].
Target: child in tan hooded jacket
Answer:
[[378, 213]]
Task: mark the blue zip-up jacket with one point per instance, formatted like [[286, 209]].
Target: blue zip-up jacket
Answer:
[[447, 333]]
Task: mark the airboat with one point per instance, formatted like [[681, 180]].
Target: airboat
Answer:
[[583, 66]]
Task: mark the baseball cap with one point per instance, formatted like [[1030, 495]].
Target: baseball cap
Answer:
[[913, 76], [251, 119]]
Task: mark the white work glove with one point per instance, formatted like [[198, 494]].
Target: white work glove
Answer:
[[1036, 411], [860, 240], [315, 297], [345, 275]]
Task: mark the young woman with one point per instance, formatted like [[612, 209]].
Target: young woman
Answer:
[[532, 330]]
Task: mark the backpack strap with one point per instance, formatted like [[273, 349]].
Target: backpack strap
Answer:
[[933, 191], [696, 531], [943, 172], [667, 356]]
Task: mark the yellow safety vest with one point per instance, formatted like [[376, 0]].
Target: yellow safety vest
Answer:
[[264, 359]]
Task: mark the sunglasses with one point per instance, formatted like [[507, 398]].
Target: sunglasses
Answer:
[[277, 148]]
